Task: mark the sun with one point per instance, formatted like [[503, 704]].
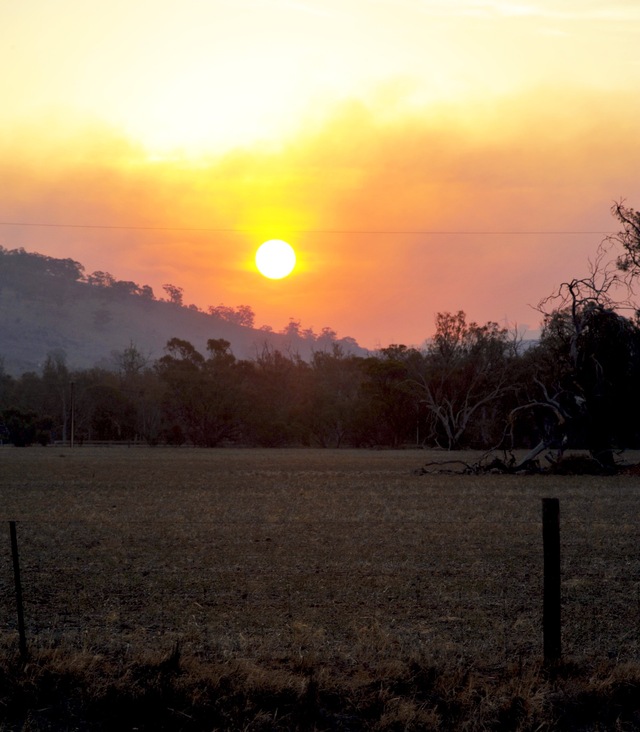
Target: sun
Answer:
[[275, 259]]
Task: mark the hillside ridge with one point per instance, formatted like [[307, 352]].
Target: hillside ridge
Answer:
[[48, 305]]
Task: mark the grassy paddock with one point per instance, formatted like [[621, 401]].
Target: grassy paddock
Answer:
[[297, 577]]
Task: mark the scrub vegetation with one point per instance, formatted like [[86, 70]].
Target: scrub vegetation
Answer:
[[297, 589]]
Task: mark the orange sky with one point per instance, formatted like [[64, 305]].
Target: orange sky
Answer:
[[335, 126]]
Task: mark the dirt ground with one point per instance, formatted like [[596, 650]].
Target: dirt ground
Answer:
[[280, 554]]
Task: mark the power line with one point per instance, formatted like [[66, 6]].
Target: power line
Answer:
[[430, 232]]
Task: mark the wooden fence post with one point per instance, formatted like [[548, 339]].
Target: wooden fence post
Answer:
[[16, 577], [73, 411], [551, 622]]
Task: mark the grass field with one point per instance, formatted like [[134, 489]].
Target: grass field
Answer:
[[339, 567]]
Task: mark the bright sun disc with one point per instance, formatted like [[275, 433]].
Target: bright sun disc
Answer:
[[275, 259]]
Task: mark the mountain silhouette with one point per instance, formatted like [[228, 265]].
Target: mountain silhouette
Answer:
[[49, 305]]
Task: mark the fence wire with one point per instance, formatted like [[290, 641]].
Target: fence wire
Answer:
[[287, 587]]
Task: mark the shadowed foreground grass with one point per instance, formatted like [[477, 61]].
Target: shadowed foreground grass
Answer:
[[55, 690], [310, 590]]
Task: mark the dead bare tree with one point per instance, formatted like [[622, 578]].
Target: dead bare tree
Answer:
[[583, 326], [464, 371]]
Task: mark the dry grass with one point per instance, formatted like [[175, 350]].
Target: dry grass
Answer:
[[311, 589]]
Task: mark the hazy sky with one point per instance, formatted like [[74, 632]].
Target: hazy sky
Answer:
[[415, 153]]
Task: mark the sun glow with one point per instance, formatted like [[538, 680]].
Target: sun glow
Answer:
[[275, 259]]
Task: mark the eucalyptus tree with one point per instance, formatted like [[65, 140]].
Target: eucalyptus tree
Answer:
[[331, 402], [465, 372], [56, 384], [202, 394], [387, 411], [275, 387], [143, 388]]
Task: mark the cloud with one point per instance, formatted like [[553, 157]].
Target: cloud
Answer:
[[395, 214]]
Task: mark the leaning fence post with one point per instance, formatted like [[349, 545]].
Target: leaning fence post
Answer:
[[16, 577], [551, 597]]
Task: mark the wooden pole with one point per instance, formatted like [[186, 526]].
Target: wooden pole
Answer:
[[16, 577], [551, 621], [73, 411]]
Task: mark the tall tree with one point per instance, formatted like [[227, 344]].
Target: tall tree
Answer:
[[202, 395], [275, 387], [466, 370], [56, 383], [388, 406], [335, 383], [144, 390], [592, 356], [174, 293]]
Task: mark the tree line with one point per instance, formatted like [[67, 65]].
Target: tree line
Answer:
[[470, 386]]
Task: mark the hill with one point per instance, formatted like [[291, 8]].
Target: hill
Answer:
[[49, 305]]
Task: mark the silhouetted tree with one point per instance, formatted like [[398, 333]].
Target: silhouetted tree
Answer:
[[6, 386], [124, 288], [113, 415], [101, 279], [628, 238], [56, 384], [23, 428], [202, 397], [466, 370], [387, 410], [242, 315], [275, 388], [589, 387], [130, 361], [331, 401], [174, 293], [144, 389]]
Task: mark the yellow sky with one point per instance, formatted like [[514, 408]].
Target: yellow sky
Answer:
[[304, 120]]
